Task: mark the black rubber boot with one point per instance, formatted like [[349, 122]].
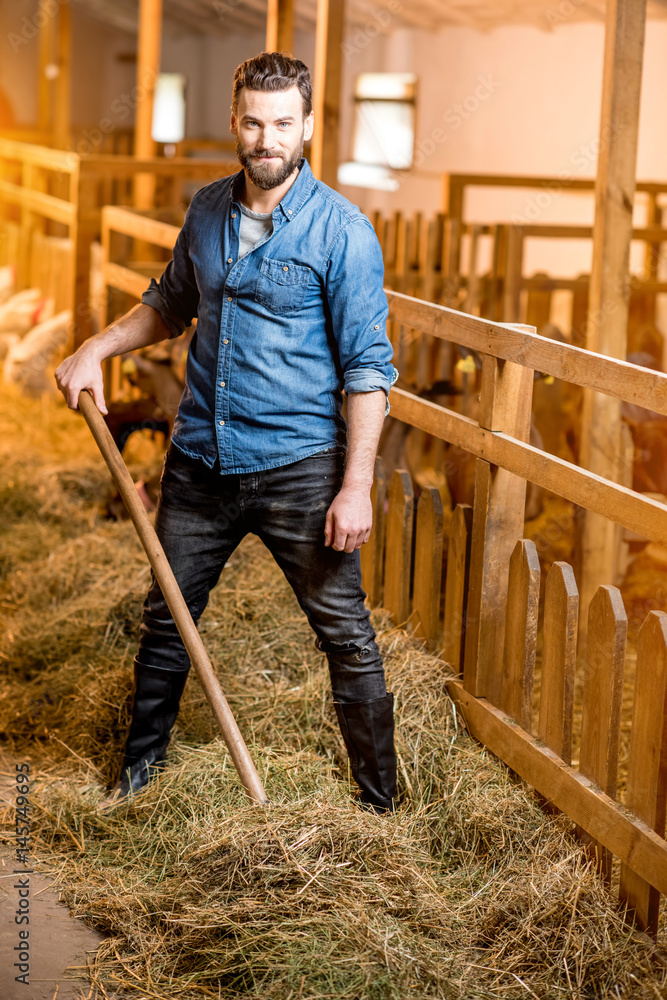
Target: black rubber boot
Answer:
[[157, 695], [368, 732]]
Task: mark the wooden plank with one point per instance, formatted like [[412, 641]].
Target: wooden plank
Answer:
[[513, 270], [498, 522], [326, 90], [523, 600], [372, 553], [39, 156], [44, 57], [601, 707], [635, 511], [398, 547], [38, 202], [627, 837], [647, 762], [428, 566], [149, 43], [456, 587], [124, 220], [126, 280], [85, 230], [280, 26], [62, 116], [531, 181], [606, 331], [559, 657], [642, 386], [474, 296], [123, 166]]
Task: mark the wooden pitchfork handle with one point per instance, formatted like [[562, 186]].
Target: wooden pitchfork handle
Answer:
[[174, 598]]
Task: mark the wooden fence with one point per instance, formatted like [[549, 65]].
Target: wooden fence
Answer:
[[42, 188], [485, 623]]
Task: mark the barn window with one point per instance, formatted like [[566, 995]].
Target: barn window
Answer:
[[169, 108], [384, 129]]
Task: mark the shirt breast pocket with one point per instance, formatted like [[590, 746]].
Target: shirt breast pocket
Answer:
[[281, 285]]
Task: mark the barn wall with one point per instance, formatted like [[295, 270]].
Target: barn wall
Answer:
[[515, 100]]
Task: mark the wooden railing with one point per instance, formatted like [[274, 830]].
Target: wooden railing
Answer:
[[487, 630], [42, 187]]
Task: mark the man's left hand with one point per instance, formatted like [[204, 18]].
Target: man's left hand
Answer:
[[349, 519]]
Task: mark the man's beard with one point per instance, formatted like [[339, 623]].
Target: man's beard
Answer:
[[263, 175]]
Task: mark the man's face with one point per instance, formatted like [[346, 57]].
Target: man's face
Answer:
[[270, 131]]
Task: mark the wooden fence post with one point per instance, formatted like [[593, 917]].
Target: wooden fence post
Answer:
[[280, 26], [456, 587], [523, 598], [498, 519], [559, 656], [428, 566], [84, 234], [372, 553], [513, 270], [398, 547], [647, 764], [601, 707]]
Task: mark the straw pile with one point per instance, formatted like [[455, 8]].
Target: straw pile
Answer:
[[469, 891]]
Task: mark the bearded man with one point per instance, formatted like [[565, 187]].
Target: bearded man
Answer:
[[284, 276]]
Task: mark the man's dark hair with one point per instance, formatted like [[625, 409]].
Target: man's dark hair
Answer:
[[273, 71]]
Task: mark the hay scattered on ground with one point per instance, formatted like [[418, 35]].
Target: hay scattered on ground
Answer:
[[469, 891]]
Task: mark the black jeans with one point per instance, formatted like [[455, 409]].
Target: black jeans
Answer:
[[203, 515]]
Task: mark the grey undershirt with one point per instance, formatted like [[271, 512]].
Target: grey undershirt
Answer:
[[254, 225]]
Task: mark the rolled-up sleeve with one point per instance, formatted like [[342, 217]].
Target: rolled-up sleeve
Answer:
[[358, 308], [176, 295]]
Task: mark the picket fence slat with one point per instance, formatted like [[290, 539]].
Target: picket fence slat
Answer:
[[456, 587], [647, 764], [523, 597], [398, 549], [428, 566], [559, 656], [372, 553], [602, 694]]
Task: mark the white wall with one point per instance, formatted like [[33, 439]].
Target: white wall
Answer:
[[515, 100]]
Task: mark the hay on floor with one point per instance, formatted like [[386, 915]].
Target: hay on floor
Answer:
[[469, 891]]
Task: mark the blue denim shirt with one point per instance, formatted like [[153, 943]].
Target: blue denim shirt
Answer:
[[280, 332]]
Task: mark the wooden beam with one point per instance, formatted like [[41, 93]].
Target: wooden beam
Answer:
[[63, 116], [148, 68], [327, 83], [497, 525], [44, 86], [606, 330], [627, 837], [521, 344], [618, 503], [280, 26]]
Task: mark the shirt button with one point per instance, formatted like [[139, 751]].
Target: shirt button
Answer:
[[233, 215], [225, 341], [222, 384], [221, 422], [377, 327], [229, 260], [229, 298], [289, 211], [286, 268]]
